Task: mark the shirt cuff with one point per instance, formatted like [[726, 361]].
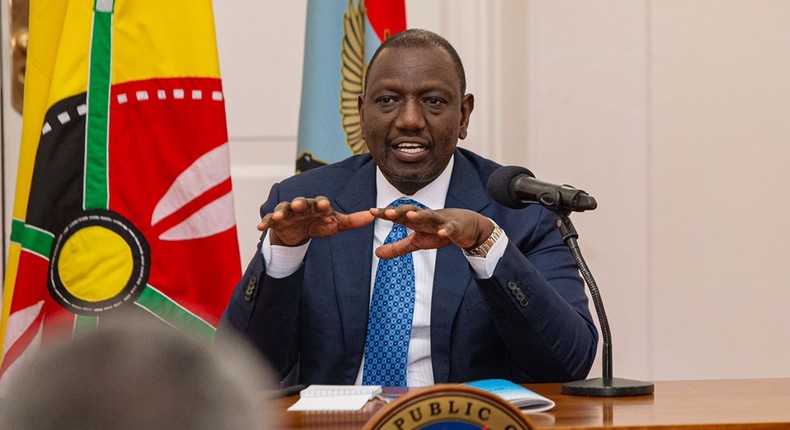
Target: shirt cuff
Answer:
[[484, 266], [282, 261]]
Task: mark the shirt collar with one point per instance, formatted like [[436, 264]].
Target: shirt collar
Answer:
[[432, 195]]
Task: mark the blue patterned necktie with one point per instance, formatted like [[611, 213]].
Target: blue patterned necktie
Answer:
[[391, 312]]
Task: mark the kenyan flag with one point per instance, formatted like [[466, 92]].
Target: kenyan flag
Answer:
[[123, 197]]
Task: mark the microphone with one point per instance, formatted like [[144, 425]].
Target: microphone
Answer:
[[516, 187]]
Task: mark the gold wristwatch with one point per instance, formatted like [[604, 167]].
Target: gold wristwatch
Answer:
[[482, 250]]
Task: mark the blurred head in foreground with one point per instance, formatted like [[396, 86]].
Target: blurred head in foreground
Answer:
[[130, 374]]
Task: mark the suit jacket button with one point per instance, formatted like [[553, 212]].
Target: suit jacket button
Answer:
[[251, 285], [517, 293]]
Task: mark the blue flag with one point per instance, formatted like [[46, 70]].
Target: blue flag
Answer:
[[341, 36]]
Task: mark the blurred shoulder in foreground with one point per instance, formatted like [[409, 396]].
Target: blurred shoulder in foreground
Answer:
[[131, 374]]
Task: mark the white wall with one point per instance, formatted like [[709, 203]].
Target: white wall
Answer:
[[586, 127], [672, 113], [719, 109]]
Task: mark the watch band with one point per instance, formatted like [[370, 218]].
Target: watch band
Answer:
[[482, 250]]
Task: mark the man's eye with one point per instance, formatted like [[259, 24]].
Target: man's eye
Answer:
[[386, 100], [433, 100]]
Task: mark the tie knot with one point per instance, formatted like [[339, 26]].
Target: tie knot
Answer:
[[401, 202]]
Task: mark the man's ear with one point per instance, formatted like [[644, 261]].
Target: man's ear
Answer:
[[467, 106]]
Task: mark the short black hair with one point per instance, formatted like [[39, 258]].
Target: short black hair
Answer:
[[419, 38]]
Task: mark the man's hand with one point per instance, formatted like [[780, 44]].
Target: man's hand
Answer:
[[434, 229], [294, 223]]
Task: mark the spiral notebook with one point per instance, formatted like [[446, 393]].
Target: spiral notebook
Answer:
[[335, 397]]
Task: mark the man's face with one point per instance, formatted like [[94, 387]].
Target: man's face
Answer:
[[413, 114]]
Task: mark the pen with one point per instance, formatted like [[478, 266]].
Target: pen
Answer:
[[287, 391]]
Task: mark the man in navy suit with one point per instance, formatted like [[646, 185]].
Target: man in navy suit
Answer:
[[497, 293]]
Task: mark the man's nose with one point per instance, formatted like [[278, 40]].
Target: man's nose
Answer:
[[410, 115]]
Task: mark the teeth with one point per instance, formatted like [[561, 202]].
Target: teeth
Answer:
[[409, 148]]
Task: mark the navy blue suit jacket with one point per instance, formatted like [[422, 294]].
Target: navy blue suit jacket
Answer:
[[316, 318]]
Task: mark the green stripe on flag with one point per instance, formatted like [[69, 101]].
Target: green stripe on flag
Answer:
[[97, 129], [83, 323], [31, 238], [174, 314]]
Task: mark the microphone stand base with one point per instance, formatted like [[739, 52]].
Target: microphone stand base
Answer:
[[608, 387]]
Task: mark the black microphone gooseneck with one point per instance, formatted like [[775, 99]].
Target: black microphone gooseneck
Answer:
[[501, 186], [608, 386]]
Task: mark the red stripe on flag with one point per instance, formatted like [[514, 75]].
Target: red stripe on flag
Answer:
[[31, 288], [387, 17], [159, 128]]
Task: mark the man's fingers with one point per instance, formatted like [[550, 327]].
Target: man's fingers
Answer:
[[356, 220], [395, 249], [302, 218], [322, 203], [280, 211], [414, 242], [299, 204], [299, 208]]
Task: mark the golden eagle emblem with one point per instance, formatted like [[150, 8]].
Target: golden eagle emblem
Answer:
[[352, 72]]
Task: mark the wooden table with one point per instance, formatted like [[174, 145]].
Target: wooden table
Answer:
[[699, 405]]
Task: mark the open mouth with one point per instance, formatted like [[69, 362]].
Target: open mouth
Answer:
[[410, 148]]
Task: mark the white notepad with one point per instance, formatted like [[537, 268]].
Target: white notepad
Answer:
[[335, 397]]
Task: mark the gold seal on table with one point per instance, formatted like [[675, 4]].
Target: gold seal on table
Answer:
[[451, 407]]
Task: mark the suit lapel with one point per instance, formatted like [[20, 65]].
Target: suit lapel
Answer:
[[453, 274], [353, 251]]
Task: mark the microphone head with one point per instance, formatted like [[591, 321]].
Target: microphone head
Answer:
[[501, 186]]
